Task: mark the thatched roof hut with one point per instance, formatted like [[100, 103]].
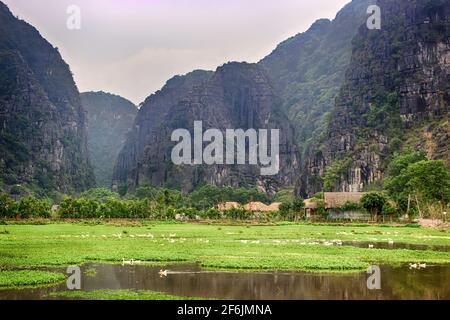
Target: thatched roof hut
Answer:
[[310, 204], [335, 199], [228, 206], [274, 207], [257, 207], [338, 199], [252, 206]]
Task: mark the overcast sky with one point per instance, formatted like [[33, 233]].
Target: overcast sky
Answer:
[[132, 47]]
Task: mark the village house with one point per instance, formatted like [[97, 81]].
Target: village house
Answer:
[[228, 206], [333, 202], [274, 207], [256, 207], [311, 206]]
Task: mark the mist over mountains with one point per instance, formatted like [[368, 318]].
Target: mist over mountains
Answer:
[[110, 118]]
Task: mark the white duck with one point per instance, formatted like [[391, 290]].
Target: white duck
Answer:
[[163, 273], [126, 262], [130, 262]]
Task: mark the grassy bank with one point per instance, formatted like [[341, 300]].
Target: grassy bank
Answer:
[[280, 247], [28, 278], [117, 295]]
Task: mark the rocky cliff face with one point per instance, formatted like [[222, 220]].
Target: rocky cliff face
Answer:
[[42, 123], [309, 68], [236, 96], [110, 118], [396, 95]]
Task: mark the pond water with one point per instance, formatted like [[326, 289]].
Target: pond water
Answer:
[[432, 282], [395, 246]]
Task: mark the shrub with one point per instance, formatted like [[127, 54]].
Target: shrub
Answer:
[[114, 208], [298, 205], [8, 207], [189, 213], [402, 161], [374, 202], [170, 213], [79, 208], [291, 210], [319, 196], [423, 181], [110, 208], [388, 210], [140, 209], [209, 196], [285, 209], [212, 214], [352, 206], [146, 192], [321, 207], [285, 195], [237, 214], [65, 209], [29, 207], [168, 197]]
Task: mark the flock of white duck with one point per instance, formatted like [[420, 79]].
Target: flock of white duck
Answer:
[[164, 273]]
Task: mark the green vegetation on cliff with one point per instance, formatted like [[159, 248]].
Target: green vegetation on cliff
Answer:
[[308, 70]]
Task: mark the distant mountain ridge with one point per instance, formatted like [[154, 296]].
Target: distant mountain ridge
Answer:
[[110, 118]]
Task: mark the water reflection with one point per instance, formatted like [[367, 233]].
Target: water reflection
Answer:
[[189, 280], [396, 246]]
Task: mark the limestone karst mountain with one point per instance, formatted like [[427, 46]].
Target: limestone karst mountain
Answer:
[[236, 96], [110, 118], [395, 96], [344, 97], [309, 68], [305, 73], [42, 123]]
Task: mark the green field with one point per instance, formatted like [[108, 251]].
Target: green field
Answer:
[[241, 247]]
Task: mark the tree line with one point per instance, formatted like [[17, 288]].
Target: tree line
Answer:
[[414, 185]]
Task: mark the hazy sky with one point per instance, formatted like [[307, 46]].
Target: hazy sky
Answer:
[[132, 47]]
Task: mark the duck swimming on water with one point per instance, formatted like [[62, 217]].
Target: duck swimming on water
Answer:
[[163, 273]]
